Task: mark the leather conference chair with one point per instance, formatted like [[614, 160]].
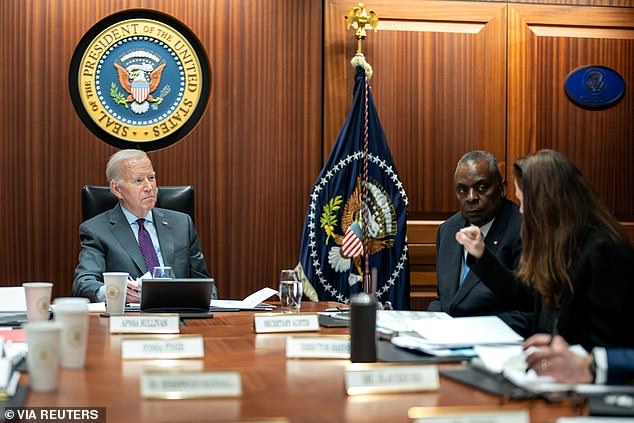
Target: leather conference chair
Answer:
[[97, 199]]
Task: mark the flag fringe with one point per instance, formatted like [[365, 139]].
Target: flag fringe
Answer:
[[359, 61], [309, 290]]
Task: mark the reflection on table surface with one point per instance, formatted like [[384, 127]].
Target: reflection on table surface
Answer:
[[301, 390]]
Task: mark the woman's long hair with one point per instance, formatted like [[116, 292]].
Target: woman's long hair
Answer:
[[559, 207]]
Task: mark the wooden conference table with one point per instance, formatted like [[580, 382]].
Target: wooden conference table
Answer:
[[299, 390]]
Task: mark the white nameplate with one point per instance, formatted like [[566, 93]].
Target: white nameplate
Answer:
[[385, 378], [318, 347], [468, 414], [292, 322], [166, 347], [145, 323], [184, 384]]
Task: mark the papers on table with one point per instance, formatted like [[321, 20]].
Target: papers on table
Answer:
[[252, 302], [510, 361], [12, 299], [494, 358], [438, 334], [467, 332], [419, 344], [515, 371], [407, 321], [12, 351]]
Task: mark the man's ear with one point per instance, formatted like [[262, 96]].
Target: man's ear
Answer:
[[115, 189], [504, 190]]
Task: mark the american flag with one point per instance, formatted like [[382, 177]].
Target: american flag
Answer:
[[352, 241]]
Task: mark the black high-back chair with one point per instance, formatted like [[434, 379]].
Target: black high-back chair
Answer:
[[97, 199]]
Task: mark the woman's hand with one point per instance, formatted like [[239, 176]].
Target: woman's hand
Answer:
[[551, 356]]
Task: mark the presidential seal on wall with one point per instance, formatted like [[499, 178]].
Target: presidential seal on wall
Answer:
[[139, 79]]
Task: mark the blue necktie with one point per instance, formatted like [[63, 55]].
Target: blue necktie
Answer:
[[465, 272], [147, 248]]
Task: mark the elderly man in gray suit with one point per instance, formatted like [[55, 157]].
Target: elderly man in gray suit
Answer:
[[134, 236]]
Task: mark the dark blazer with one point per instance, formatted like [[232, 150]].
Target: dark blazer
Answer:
[[620, 366], [108, 245], [599, 311], [474, 298]]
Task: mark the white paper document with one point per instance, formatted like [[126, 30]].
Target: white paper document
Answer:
[[467, 332], [419, 344], [493, 358], [249, 303], [12, 299], [515, 371], [406, 321]]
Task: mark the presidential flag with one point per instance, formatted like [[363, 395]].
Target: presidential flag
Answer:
[[335, 230]]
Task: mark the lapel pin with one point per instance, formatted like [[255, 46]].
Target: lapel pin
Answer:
[[495, 243], [164, 222]]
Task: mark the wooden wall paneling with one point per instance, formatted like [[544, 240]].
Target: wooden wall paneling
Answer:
[[252, 158], [545, 44], [422, 255], [439, 86]]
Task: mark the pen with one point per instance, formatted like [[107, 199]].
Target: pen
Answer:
[[339, 309], [554, 330]]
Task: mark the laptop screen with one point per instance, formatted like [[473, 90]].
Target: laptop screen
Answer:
[[176, 295]]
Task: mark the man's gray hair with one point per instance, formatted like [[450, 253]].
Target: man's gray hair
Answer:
[[113, 168], [481, 155]]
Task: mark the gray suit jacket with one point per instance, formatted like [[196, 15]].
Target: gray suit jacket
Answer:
[[473, 297], [108, 245]]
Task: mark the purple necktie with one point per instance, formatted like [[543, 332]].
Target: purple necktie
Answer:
[[147, 248]]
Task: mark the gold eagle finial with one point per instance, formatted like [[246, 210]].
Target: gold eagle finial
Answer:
[[358, 17]]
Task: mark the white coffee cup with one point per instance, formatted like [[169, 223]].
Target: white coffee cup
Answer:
[[116, 284], [38, 298], [72, 313], [42, 359]]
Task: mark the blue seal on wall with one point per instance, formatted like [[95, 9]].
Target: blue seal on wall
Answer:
[[594, 87], [139, 79]]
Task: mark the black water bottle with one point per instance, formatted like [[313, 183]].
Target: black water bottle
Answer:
[[363, 328]]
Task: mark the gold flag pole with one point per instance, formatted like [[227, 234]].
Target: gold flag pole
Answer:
[[358, 18]]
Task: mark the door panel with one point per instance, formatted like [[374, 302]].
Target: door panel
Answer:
[[439, 86], [545, 44]]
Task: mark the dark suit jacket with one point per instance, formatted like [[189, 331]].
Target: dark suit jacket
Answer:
[[108, 245], [474, 298], [598, 312], [620, 366]]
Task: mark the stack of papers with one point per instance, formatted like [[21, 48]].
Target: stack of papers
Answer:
[[252, 302], [11, 354], [468, 331], [438, 334], [400, 322], [12, 299]]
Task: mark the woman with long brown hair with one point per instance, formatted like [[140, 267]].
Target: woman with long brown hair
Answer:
[[576, 261]]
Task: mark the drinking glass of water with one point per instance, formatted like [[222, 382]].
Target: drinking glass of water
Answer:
[[290, 292]]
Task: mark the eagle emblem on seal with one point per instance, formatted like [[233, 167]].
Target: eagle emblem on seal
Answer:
[[139, 73], [381, 229]]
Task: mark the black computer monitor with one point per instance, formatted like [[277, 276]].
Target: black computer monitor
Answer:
[[176, 295]]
